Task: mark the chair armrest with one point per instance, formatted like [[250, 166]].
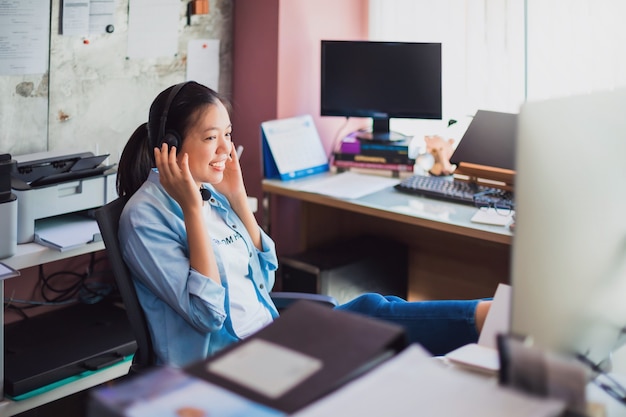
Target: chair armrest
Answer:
[[283, 299]]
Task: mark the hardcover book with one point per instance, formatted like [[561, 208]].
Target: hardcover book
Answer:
[[373, 165], [379, 159], [352, 145]]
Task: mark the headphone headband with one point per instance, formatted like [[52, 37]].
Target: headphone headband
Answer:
[[166, 108]]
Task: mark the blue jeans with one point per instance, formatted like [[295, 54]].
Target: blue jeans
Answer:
[[438, 325]]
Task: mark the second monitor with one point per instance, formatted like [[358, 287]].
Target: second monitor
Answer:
[[381, 80], [487, 149]]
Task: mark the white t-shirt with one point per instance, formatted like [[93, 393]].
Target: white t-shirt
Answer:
[[248, 314]]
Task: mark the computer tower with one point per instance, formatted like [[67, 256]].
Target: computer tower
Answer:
[[348, 268]]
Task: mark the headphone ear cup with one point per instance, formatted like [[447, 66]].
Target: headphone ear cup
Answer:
[[172, 139]]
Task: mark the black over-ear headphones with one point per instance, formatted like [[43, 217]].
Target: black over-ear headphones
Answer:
[[171, 137]]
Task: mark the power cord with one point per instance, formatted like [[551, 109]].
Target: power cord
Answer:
[[336, 140], [603, 380], [53, 294]]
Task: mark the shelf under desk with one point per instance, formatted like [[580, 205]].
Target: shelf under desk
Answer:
[[32, 254], [449, 256], [10, 407]]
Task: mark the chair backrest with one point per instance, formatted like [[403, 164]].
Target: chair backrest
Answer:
[[108, 217]]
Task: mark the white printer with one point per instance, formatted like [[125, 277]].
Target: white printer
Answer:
[[50, 184]]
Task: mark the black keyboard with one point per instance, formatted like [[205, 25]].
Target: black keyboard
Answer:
[[452, 190]]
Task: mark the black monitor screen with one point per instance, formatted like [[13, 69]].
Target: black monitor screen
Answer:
[[381, 80], [488, 141]]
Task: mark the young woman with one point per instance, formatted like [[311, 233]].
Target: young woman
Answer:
[[202, 266]]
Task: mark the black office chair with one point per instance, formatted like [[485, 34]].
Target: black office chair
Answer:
[[108, 217]]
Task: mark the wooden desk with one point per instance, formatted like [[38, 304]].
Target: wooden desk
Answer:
[[449, 256]]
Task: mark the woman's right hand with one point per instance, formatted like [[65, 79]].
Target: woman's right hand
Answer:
[[177, 179]]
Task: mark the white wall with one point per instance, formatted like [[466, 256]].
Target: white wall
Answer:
[[575, 46], [498, 53], [482, 52]]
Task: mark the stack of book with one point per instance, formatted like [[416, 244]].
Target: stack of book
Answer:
[[392, 156]]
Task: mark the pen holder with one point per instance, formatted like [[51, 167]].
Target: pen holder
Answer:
[[8, 227]]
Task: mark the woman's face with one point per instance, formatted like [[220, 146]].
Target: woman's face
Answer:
[[208, 144]]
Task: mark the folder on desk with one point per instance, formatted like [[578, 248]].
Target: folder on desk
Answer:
[[303, 355], [292, 148]]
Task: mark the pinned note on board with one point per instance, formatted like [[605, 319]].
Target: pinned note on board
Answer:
[[292, 148]]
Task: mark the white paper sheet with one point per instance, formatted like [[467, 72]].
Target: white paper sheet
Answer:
[[203, 62], [483, 356], [490, 216], [153, 28], [477, 358], [265, 367], [348, 185], [66, 232], [19, 54], [499, 317], [101, 15], [75, 17], [413, 383]]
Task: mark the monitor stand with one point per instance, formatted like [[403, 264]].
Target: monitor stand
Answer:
[[380, 132], [489, 176]]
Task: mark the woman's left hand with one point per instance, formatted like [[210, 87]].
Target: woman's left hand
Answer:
[[232, 184]]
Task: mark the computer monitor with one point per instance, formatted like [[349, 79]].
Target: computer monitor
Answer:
[[381, 80], [569, 248], [487, 149]]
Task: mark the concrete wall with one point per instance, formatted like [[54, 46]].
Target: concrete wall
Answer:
[[93, 97]]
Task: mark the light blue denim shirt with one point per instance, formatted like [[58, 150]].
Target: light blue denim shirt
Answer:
[[187, 312]]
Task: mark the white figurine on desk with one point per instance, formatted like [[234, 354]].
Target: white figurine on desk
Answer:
[[440, 151]]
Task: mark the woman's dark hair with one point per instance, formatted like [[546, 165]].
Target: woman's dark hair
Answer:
[[137, 158]]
